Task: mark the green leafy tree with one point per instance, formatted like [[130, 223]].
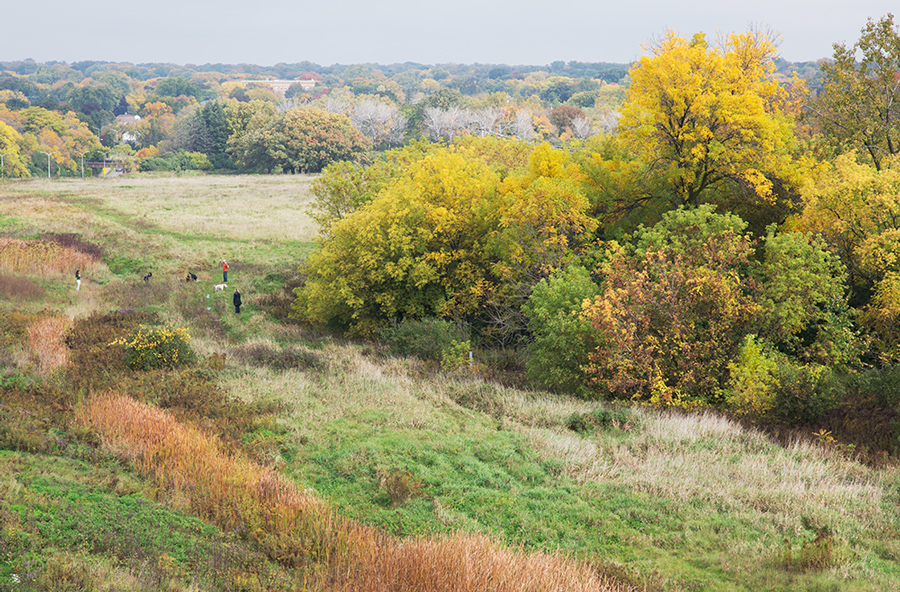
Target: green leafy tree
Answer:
[[855, 207], [243, 117], [678, 303], [563, 338], [39, 119], [303, 141], [859, 105], [343, 188], [176, 86], [544, 225], [800, 284]]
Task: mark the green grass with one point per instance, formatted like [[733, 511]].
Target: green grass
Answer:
[[666, 501], [53, 506], [694, 497]]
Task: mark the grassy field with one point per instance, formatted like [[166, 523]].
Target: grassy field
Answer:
[[286, 458]]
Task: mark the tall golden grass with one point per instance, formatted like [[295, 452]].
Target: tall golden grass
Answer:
[[303, 532], [44, 258], [45, 343]]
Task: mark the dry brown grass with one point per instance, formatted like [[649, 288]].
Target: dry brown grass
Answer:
[[46, 345], [17, 287], [43, 258], [254, 208], [301, 531]]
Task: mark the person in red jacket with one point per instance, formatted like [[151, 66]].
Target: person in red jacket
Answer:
[[224, 271]]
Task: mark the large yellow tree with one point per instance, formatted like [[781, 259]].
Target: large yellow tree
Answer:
[[9, 148], [855, 207], [705, 116]]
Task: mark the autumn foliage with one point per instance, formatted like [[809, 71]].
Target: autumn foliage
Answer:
[[677, 304]]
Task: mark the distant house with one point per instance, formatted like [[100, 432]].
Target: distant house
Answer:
[[127, 119]]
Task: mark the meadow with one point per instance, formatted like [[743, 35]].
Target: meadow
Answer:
[[285, 457]]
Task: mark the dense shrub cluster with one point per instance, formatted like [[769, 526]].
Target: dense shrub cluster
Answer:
[[74, 241], [427, 339], [602, 419], [157, 347], [178, 160], [268, 355]]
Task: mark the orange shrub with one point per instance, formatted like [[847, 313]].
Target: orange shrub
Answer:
[[46, 343]]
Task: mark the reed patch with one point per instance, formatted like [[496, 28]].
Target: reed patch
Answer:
[[43, 258]]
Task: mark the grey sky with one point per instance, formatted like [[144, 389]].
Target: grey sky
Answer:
[[326, 32]]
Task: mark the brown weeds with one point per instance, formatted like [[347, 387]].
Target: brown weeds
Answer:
[[17, 288], [44, 258], [46, 343], [301, 531]]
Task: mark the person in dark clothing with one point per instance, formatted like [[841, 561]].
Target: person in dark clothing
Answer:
[[237, 301], [148, 276]]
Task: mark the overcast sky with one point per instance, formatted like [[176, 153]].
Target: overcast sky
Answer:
[[326, 32]]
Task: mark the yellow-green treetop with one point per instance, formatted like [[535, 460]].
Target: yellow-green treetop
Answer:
[[707, 115]]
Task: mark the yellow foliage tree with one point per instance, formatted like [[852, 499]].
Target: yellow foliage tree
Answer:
[[706, 116], [856, 208], [9, 148], [418, 249]]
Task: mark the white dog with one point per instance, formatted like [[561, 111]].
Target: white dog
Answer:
[[220, 287]]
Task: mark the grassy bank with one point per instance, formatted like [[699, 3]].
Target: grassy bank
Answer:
[[448, 472]]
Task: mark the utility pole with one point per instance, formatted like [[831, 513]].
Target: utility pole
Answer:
[[3, 162], [81, 154], [49, 154]]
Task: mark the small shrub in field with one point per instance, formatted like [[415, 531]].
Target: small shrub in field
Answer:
[[456, 355], [94, 364], [270, 356], [480, 396], [427, 339], [803, 394], [600, 419], [75, 242], [400, 485], [278, 303], [822, 552], [753, 377], [157, 347]]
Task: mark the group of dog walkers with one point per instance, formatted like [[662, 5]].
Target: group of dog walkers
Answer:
[[191, 277]]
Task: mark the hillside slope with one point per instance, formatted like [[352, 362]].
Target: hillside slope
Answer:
[[389, 449]]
